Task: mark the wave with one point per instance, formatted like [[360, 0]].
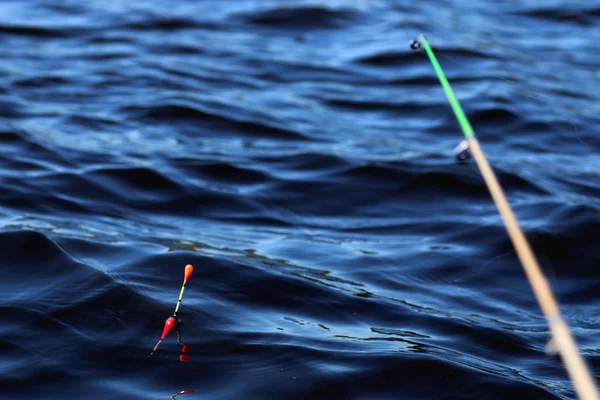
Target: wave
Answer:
[[406, 58], [300, 18], [35, 31], [586, 16], [209, 122]]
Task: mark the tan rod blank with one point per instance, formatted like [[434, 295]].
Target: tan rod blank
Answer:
[[585, 386]]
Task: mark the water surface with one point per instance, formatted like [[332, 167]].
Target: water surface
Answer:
[[299, 155]]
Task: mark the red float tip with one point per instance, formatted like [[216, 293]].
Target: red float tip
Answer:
[[188, 272], [169, 325]]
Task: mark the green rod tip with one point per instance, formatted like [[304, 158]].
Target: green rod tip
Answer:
[[454, 103]]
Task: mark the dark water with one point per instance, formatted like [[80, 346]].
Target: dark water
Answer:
[[299, 154]]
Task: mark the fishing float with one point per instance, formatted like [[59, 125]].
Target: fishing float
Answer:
[[561, 337], [173, 321]]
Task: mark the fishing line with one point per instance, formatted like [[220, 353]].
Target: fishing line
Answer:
[[185, 348], [562, 339]]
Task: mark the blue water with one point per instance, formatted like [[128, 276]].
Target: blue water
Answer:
[[299, 155]]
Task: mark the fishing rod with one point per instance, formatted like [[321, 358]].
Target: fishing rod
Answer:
[[562, 339], [173, 321]]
